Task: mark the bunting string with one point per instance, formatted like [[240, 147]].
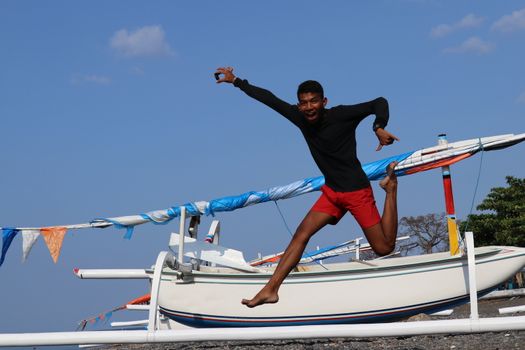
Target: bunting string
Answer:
[[105, 316], [407, 163]]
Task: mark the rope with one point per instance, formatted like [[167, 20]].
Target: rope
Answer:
[[290, 231], [476, 187], [284, 220]]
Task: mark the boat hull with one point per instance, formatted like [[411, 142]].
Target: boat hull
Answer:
[[341, 293]]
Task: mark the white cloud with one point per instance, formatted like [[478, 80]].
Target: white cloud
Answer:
[[137, 70], [145, 41], [97, 79], [510, 23], [473, 44], [521, 98], [93, 79], [469, 21]]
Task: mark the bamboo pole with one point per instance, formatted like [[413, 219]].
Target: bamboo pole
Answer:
[[449, 203]]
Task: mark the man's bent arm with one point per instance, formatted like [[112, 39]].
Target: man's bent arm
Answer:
[[378, 107], [358, 112], [381, 111]]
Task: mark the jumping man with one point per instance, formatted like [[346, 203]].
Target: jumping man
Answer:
[[330, 135]]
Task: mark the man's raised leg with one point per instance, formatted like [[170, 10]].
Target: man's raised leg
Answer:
[[312, 222], [382, 237]]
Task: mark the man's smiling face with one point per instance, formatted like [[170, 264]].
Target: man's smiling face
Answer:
[[311, 105]]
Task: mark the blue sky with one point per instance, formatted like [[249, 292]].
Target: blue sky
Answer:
[[110, 108]]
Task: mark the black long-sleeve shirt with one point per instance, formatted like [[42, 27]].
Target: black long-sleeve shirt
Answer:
[[332, 139]]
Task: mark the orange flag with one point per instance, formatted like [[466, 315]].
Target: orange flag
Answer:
[[54, 236]]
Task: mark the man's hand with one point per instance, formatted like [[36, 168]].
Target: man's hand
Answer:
[[385, 138], [227, 75]]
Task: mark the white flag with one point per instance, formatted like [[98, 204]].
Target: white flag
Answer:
[[29, 239]]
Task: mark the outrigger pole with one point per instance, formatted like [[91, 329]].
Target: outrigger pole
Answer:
[[453, 233]]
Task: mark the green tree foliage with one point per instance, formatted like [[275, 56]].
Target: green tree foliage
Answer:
[[504, 224]]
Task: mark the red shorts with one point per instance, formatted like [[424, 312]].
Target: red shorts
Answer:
[[360, 203]]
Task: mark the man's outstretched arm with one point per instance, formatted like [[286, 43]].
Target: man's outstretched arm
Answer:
[[225, 75]]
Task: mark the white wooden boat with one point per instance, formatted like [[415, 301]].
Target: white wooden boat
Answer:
[[353, 292]]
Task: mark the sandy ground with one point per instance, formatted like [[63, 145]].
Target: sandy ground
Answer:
[[481, 341]]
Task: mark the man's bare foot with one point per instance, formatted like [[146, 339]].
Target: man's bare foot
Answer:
[[389, 183], [263, 297]]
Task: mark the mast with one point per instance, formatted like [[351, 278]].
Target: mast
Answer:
[[453, 233]]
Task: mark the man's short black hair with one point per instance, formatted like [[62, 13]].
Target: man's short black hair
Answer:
[[310, 86]]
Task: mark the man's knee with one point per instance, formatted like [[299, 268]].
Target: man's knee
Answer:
[[380, 244], [301, 236], [384, 248]]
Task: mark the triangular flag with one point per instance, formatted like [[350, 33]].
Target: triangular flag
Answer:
[[129, 232], [7, 237], [82, 325], [54, 236], [29, 238]]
